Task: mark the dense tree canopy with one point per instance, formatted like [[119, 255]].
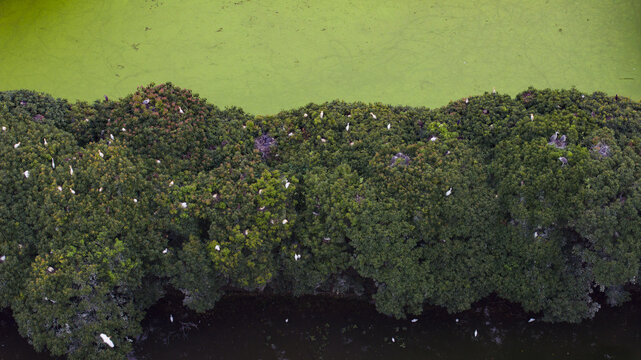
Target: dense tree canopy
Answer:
[[104, 206]]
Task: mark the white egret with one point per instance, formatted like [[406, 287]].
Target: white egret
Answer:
[[433, 138], [26, 174], [290, 134], [171, 318], [296, 257], [135, 200], [45, 141], [180, 110], [123, 129], [73, 192], [323, 140], [101, 154], [374, 116], [456, 320], [351, 143], [305, 115], [389, 126], [260, 191], [107, 340], [100, 190], [50, 269], [183, 205], [286, 321], [414, 320], [531, 320], [4, 128], [171, 183], [3, 258], [215, 196], [493, 90], [449, 192], [467, 100], [59, 188], [321, 115], [349, 115], [53, 164], [476, 333], [70, 170], [531, 117], [261, 208], [15, 146], [393, 340], [246, 232], [284, 221], [217, 247], [146, 101], [111, 136], [157, 161], [347, 127], [165, 251]]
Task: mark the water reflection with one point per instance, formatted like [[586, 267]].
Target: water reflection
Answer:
[[243, 327]]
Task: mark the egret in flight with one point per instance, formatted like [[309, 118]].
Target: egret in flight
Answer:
[[107, 340]]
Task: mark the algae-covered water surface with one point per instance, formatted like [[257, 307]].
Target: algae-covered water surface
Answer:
[[268, 55]]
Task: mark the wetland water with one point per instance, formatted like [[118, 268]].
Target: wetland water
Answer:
[[243, 327], [268, 55]]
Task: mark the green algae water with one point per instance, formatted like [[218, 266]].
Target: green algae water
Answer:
[[268, 55]]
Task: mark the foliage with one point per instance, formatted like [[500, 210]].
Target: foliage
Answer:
[[408, 206]]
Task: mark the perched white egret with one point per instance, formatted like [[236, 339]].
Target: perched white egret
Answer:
[[157, 161], [456, 320], [349, 115], [305, 115], [26, 174], [389, 126], [107, 340], [449, 192], [70, 170], [146, 101], [135, 200], [476, 333], [374, 116], [217, 247], [296, 257], [73, 192], [53, 164], [45, 141], [180, 110], [171, 183], [323, 140], [321, 115], [563, 161], [261, 208], [50, 269], [15, 146], [532, 117], [284, 221], [286, 321], [393, 340], [4, 128], [414, 320], [165, 251], [260, 191], [290, 134], [171, 318], [183, 205], [215, 196], [123, 129], [433, 138], [326, 239], [100, 190], [351, 143], [467, 101], [531, 320], [246, 232], [536, 234], [101, 154], [3, 258], [286, 184], [59, 188], [111, 136], [347, 127]]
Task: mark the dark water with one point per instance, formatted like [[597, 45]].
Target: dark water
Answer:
[[243, 327]]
